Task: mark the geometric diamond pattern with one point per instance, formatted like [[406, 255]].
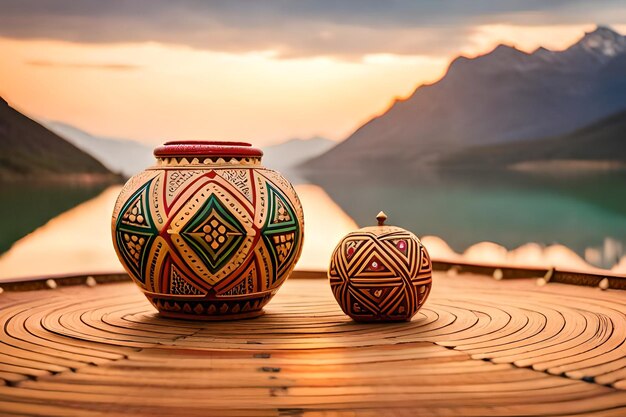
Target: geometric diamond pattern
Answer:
[[214, 234], [226, 234]]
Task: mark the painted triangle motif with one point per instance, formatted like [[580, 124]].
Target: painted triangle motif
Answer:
[[133, 248], [375, 265], [372, 263], [378, 294], [351, 248], [136, 213], [179, 284], [402, 245], [281, 216]]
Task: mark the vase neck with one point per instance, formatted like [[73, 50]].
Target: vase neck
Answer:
[[204, 162], [207, 153]]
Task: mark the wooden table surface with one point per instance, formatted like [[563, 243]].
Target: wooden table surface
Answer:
[[478, 347]]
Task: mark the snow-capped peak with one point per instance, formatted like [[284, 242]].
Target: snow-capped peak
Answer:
[[603, 41]]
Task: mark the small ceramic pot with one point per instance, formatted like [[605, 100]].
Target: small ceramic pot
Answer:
[[380, 273], [208, 232]]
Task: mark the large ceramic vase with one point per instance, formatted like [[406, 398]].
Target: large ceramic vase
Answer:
[[208, 233]]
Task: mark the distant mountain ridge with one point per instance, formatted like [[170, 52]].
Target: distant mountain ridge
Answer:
[[287, 156], [603, 141], [129, 157], [504, 96], [30, 151], [293, 152], [125, 156]]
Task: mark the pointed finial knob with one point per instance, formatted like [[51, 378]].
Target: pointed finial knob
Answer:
[[381, 217]]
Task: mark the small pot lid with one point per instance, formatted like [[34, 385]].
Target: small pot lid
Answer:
[[381, 228], [181, 148]]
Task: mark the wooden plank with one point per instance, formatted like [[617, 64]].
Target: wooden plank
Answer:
[[478, 347]]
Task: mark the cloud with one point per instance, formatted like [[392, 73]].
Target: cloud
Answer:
[[291, 28], [84, 65]]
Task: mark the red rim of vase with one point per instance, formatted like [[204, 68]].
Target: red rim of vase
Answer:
[[180, 148]]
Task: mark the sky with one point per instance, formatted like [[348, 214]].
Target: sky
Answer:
[[264, 72]]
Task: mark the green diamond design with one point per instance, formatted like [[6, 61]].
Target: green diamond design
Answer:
[[214, 234]]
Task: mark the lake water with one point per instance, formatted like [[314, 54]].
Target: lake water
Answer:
[[571, 221]]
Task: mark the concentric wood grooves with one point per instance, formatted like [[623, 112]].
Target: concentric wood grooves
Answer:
[[478, 347]]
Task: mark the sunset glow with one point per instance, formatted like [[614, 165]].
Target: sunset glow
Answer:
[[152, 91]]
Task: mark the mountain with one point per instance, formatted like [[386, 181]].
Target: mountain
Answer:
[[504, 96], [130, 157], [119, 155], [287, 157], [603, 141], [29, 150], [293, 152]]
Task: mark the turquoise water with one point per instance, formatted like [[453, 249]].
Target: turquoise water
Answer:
[[28, 205], [581, 212], [586, 213]]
